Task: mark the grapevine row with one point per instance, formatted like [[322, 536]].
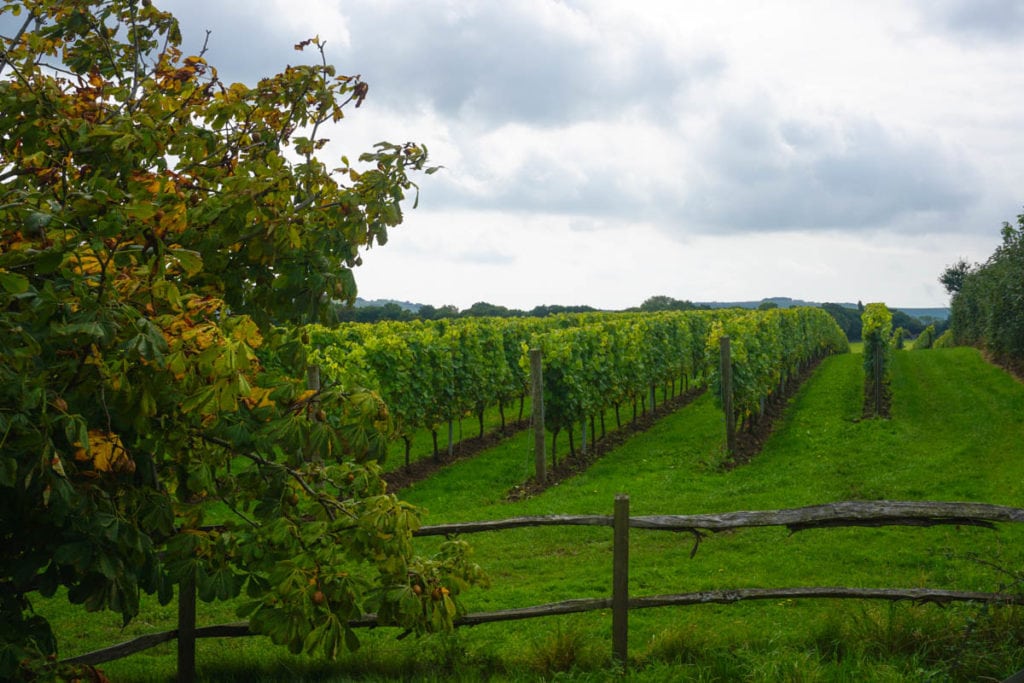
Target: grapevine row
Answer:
[[618, 360], [769, 349], [431, 373], [879, 342]]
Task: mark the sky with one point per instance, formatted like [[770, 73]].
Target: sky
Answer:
[[599, 153]]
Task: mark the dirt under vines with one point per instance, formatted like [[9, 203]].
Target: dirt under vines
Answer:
[[568, 466], [572, 465], [750, 439], [465, 449]]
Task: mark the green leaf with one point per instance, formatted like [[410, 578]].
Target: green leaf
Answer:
[[248, 608], [351, 639], [197, 400], [123, 142], [141, 210], [36, 221], [12, 283], [96, 330], [190, 261], [8, 472], [108, 566], [221, 584], [77, 554], [48, 262]]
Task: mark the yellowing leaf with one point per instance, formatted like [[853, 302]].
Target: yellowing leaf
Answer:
[[259, 397], [247, 332], [107, 452], [57, 466], [175, 220], [85, 264]]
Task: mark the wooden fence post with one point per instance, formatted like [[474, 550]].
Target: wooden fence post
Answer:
[[187, 630], [537, 399], [725, 369], [620, 581]]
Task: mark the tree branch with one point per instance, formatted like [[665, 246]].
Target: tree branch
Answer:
[[329, 504], [17, 37]]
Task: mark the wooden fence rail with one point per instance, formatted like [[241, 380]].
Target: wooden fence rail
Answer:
[[832, 515]]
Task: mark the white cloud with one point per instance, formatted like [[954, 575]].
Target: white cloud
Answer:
[[844, 150]]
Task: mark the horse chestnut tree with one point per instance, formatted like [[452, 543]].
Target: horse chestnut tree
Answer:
[[164, 236]]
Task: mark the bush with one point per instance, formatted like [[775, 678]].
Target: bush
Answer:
[[988, 310]]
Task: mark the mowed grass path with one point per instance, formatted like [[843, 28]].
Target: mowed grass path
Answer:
[[955, 434]]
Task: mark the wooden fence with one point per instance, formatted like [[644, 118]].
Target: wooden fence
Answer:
[[843, 514]]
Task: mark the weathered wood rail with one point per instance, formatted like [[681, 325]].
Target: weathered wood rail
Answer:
[[831, 515]]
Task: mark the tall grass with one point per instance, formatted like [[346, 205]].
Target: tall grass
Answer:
[[954, 435]]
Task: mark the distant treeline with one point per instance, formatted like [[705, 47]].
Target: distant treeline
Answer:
[[393, 311], [848, 318], [482, 309]]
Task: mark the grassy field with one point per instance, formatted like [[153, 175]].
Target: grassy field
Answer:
[[955, 435]]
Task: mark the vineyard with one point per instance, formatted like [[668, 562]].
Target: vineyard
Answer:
[[183, 444], [822, 452], [431, 374]]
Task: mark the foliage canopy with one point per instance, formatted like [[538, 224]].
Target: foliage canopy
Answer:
[[159, 227], [988, 308]]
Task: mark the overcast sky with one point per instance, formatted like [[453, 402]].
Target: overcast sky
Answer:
[[603, 152]]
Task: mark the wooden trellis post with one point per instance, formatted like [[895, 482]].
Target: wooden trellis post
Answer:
[[537, 399], [876, 379], [725, 369]]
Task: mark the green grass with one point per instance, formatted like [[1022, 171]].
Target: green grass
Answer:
[[422, 442], [467, 428], [954, 435]]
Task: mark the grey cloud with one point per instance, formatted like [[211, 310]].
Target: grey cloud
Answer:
[[975, 20], [482, 65], [755, 173], [852, 174], [497, 62], [543, 186], [488, 63], [243, 45]]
